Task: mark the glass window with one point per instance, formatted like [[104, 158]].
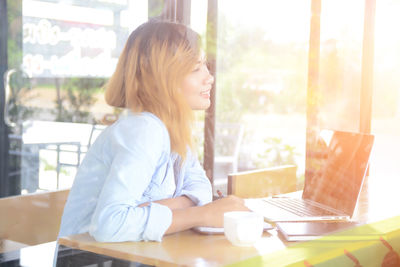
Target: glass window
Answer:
[[342, 26], [385, 123], [60, 54], [198, 22], [261, 86], [198, 17]]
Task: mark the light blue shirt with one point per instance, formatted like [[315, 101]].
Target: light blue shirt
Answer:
[[129, 164]]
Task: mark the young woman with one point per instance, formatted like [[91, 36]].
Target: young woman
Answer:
[[141, 180]]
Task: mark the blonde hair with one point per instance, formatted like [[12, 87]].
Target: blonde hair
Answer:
[[149, 73]]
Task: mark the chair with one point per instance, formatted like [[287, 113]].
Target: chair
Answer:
[[227, 141], [263, 182], [32, 219], [227, 144], [95, 132], [63, 146]]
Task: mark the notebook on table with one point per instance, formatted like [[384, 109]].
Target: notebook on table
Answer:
[[220, 230], [332, 190], [327, 231]]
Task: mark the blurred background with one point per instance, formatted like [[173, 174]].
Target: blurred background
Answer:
[[269, 95]]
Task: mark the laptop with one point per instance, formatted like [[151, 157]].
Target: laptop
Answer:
[[332, 186]]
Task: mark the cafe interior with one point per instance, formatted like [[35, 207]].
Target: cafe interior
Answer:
[[294, 81]]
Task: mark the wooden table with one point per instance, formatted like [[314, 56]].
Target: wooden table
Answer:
[[193, 249], [9, 245], [185, 248]]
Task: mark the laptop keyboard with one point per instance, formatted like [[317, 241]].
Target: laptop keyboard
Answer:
[[298, 207]]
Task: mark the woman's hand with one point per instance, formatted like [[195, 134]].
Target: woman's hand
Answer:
[[214, 211]]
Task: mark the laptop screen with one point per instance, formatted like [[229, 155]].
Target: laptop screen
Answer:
[[338, 169]]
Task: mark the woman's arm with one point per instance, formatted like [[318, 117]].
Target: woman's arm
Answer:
[[211, 214], [186, 215], [192, 181], [181, 202]]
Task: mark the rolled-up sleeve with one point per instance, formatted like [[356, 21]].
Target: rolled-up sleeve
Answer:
[[136, 153], [196, 185]]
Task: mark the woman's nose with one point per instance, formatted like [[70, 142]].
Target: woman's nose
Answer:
[[210, 79]]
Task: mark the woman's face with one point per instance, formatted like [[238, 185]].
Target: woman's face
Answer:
[[196, 86]]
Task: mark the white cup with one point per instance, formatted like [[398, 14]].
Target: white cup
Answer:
[[243, 228]]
